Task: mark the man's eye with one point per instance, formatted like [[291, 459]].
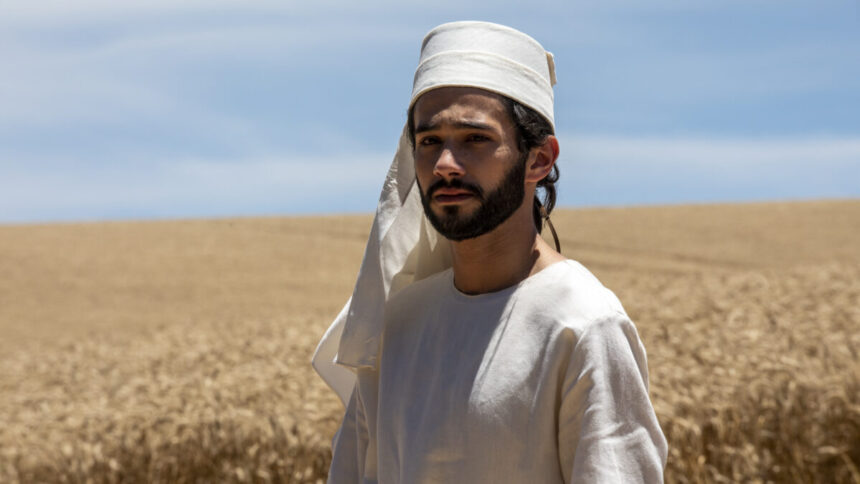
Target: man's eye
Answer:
[[428, 141], [477, 137]]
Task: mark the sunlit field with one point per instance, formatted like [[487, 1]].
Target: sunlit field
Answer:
[[178, 351]]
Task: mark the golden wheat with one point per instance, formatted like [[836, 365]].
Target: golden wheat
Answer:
[[178, 351]]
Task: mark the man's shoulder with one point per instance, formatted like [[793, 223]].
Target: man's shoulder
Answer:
[[568, 294]]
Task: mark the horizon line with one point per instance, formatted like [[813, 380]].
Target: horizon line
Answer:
[[306, 215]]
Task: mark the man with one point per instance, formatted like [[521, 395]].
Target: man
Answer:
[[471, 351]]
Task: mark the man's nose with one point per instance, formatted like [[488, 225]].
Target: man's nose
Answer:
[[447, 165]]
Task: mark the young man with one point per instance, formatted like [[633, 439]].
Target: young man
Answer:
[[476, 352]]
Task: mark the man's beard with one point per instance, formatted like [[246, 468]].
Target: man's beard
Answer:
[[495, 207]]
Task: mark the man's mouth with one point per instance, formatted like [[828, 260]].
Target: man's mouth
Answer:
[[451, 195]]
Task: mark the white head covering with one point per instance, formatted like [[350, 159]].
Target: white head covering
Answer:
[[403, 247]]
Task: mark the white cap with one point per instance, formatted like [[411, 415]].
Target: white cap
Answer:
[[488, 56]]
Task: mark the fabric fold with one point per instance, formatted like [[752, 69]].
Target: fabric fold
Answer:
[[402, 248]]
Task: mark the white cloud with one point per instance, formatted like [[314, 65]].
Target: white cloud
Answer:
[[24, 14], [709, 152], [596, 170], [300, 176], [195, 187], [621, 170], [133, 60], [103, 68]]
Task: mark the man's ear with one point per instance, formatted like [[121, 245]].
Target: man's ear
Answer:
[[542, 159]]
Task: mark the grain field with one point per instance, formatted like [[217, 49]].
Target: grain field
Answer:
[[177, 351]]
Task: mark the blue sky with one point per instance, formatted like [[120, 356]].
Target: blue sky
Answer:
[[117, 110]]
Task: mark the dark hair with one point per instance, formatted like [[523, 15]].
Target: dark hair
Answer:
[[532, 130]]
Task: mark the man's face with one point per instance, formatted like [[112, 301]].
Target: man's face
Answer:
[[470, 172]]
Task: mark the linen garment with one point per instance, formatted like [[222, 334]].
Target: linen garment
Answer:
[[542, 382]]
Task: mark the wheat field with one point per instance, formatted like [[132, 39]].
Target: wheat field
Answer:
[[178, 351]]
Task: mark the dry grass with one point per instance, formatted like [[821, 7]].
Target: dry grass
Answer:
[[178, 351]]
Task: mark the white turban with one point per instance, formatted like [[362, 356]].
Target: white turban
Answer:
[[403, 247]]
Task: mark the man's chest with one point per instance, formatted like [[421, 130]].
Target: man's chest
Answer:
[[452, 383]]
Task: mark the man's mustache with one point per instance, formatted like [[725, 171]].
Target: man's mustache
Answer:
[[457, 184]]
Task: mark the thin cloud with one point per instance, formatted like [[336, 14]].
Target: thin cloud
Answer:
[[195, 187], [596, 170], [718, 153], [164, 108], [619, 170]]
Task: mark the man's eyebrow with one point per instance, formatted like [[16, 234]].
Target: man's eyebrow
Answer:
[[421, 128]]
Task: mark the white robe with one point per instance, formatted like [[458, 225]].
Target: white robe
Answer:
[[545, 381]]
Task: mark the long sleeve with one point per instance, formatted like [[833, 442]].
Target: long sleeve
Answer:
[[608, 431]]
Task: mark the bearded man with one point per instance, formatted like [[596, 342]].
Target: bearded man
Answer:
[[471, 350]]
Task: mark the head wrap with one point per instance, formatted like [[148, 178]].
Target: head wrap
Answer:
[[403, 247]]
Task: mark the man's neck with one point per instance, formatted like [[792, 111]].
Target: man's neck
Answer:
[[501, 258]]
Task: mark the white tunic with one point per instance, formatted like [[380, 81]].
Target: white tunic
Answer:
[[545, 381]]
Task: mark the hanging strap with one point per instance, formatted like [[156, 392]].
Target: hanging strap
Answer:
[[545, 216]]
